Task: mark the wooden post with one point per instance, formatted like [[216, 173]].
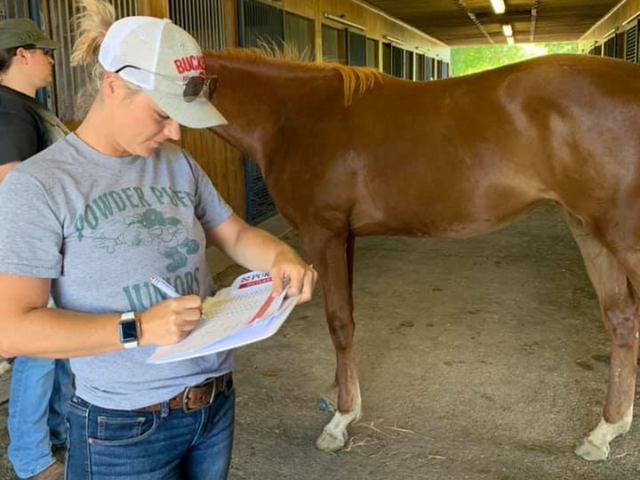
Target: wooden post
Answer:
[[231, 23], [154, 8]]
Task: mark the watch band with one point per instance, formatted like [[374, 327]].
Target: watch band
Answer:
[[129, 329]]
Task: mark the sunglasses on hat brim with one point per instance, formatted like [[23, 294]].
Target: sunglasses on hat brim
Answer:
[[194, 86]]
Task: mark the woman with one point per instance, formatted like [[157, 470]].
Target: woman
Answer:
[[40, 387], [115, 206]]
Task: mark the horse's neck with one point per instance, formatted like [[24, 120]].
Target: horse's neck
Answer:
[[258, 98]]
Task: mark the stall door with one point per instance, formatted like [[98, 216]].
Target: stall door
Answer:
[[356, 49], [397, 61]]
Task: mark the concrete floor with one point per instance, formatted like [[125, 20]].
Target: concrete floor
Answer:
[[482, 359]]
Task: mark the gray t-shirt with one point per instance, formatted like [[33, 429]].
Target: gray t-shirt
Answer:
[[100, 227]]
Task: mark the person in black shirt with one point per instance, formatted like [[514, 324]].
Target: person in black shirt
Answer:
[[40, 388], [26, 126]]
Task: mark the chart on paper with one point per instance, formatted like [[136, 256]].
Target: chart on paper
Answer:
[[240, 314]]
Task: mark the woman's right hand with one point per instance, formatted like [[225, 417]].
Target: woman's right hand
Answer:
[[170, 320]]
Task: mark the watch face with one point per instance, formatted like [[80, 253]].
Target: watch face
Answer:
[[128, 331]]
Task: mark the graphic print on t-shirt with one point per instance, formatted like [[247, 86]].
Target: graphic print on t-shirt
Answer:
[[119, 221], [153, 229]]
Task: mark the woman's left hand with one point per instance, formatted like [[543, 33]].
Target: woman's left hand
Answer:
[[302, 277]]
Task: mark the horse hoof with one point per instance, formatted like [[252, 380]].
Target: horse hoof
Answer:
[[592, 452], [330, 442], [325, 405]]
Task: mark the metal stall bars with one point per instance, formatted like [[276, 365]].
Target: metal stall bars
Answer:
[[372, 52], [408, 65], [18, 9], [631, 43], [259, 23], [424, 67], [397, 61], [203, 19], [356, 48], [334, 45], [444, 69], [56, 16], [610, 46], [299, 34], [386, 58]]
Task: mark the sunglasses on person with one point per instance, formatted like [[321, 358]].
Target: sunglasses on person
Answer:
[[193, 86]]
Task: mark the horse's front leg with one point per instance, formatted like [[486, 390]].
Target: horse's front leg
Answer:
[[329, 253]]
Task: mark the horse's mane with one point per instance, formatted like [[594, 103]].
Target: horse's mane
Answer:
[[356, 79]]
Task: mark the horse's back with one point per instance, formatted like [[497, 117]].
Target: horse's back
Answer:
[[462, 156]]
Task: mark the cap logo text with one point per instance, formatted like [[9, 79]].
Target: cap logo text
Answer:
[[190, 63]]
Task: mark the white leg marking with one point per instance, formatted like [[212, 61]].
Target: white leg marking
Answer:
[[596, 445], [334, 436]]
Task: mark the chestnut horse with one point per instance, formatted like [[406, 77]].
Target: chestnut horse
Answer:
[[349, 151]]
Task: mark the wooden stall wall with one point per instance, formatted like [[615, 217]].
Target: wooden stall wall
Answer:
[[154, 8]]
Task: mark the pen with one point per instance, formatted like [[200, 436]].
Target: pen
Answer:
[[164, 287], [169, 291]]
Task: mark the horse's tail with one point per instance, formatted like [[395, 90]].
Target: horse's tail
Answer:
[[93, 23]]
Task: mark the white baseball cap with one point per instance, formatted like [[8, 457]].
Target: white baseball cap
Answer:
[[167, 63]]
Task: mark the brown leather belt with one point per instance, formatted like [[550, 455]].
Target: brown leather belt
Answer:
[[196, 397]]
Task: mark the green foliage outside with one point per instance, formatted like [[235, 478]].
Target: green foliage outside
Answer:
[[465, 60]]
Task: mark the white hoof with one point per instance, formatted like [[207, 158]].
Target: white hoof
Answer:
[[335, 434], [596, 446], [331, 441], [592, 452]]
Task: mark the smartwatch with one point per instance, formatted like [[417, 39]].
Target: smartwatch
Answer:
[[129, 330]]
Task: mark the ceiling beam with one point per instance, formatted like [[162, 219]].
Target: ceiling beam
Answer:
[[463, 6]]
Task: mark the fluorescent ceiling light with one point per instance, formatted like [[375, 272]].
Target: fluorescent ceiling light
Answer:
[[510, 41], [508, 31], [393, 39], [498, 6]]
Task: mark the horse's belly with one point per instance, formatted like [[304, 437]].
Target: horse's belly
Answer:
[[462, 219]]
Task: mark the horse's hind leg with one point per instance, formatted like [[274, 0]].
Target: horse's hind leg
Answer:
[[330, 257], [619, 306]]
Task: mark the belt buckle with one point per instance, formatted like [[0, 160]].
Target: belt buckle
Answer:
[[185, 399]]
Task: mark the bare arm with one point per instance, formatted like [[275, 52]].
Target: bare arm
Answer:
[[29, 328], [255, 249], [6, 168]]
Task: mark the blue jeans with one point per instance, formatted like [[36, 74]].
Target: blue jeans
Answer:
[[107, 444], [38, 401]]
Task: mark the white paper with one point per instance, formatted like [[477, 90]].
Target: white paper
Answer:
[[238, 315]]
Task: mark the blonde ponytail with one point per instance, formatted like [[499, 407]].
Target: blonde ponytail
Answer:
[[92, 25]]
